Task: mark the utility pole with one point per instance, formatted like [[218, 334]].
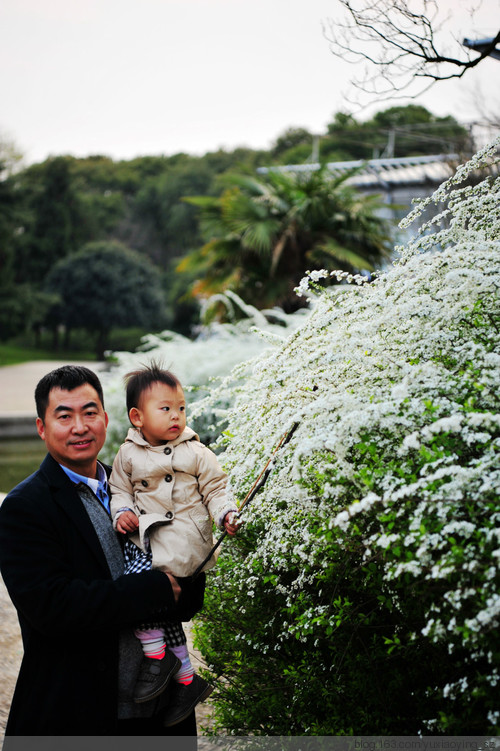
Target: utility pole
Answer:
[[314, 158], [391, 143]]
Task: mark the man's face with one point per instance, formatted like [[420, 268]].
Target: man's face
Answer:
[[74, 428]]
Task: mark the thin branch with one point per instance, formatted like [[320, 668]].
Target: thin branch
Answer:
[[399, 46]]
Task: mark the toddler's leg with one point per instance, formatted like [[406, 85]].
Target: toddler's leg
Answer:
[[158, 665], [176, 641], [152, 642], [188, 688]]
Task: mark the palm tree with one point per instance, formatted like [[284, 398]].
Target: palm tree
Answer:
[[262, 236]]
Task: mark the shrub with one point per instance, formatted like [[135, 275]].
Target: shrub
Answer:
[[361, 596]]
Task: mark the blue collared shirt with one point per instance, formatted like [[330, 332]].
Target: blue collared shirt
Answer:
[[98, 486]]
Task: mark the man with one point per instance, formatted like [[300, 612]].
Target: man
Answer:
[[63, 567]]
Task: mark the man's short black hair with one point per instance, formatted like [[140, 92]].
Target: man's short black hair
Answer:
[[68, 377], [139, 381]]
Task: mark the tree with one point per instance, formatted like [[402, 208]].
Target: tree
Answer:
[[290, 139], [10, 157], [23, 307], [7, 225], [57, 226], [410, 130], [170, 221], [18, 304], [263, 235], [10, 160], [103, 286], [401, 46]]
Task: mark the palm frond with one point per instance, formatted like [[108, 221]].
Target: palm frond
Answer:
[[334, 251]]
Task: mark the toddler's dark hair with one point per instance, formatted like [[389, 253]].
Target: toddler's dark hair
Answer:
[[139, 381]]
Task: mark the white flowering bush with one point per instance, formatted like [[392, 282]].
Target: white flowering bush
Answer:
[[361, 596], [198, 363]]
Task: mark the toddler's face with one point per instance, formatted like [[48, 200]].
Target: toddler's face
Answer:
[[161, 414]]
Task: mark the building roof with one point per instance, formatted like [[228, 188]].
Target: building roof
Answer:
[[385, 173]]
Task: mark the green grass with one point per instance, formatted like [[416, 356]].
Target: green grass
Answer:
[[12, 354], [23, 349], [18, 459]]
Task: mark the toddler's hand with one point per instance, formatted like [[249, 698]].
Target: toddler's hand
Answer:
[[232, 522], [127, 522]]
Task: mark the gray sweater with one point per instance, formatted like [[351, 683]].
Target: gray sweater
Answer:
[[130, 650]]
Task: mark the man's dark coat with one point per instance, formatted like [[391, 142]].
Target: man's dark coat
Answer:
[[70, 610]]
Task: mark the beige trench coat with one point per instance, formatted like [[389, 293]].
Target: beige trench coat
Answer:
[[176, 490]]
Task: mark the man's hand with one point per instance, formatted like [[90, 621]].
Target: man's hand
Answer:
[[232, 522], [176, 589], [127, 522]]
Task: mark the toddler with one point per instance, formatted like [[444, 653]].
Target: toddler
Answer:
[[167, 487]]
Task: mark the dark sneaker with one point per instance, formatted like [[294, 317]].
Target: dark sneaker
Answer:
[[154, 676], [183, 699]]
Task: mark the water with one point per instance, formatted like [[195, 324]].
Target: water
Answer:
[[19, 457]]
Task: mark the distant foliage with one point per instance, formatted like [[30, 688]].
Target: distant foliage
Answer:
[[362, 594], [103, 286], [48, 211], [263, 235]]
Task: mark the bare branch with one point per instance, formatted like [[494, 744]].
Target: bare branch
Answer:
[[404, 51]]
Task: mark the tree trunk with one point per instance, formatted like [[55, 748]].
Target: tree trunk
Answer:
[[55, 338], [101, 342], [67, 337]]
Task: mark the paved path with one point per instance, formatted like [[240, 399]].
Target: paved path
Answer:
[[17, 383], [17, 386]]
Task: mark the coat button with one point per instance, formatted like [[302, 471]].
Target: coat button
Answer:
[[168, 478], [167, 451], [169, 515], [142, 511], [144, 483]]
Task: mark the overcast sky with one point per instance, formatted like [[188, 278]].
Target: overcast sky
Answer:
[[128, 78]]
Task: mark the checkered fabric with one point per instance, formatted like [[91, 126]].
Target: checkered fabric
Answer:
[[136, 560]]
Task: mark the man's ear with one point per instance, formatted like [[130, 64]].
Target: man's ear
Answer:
[[40, 428], [135, 417]]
